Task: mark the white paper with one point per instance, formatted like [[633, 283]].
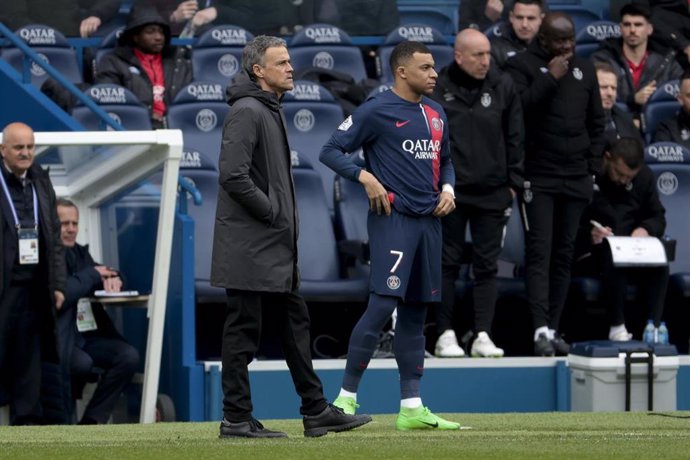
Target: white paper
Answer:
[[85, 319], [637, 251], [102, 293]]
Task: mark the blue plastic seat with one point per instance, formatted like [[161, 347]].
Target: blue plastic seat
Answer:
[[660, 106], [217, 53], [52, 46], [328, 47], [431, 37], [107, 45], [118, 102], [312, 115], [430, 16], [199, 110], [588, 38]]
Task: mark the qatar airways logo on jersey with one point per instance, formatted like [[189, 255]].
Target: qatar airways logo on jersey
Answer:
[[422, 149]]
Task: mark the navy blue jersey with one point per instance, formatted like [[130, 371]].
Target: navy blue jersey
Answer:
[[405, 147]]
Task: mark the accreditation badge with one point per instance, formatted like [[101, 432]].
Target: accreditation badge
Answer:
[[28, 246], [85, 319]]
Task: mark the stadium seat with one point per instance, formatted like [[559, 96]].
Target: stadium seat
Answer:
[[580, 16], [107, 45], [319, 259], [312, 115], [199, 110], [430, 16], [118, 102], [494, 30], [217, 54], [662, 105], [440, 49], [328, 47], [588, 38], [52, 47]]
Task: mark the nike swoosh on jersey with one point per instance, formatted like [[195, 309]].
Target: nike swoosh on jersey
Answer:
[[400, 124]]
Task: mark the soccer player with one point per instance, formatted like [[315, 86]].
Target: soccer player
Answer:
[[408, 179]]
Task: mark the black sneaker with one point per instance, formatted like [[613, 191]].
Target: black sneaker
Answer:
[[543, 346], [332, 418], [561, 347], [250, 429]]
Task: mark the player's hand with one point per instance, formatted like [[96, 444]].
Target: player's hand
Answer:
[[559, 65], [378, 196], [643, 95], [184, 11], [598, 234], [639, 231], [493, 9], [59, 299], [110, 278], [204, 16], [446, 205], [89, 26]]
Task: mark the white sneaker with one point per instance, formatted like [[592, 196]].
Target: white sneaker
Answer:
[[447, 346], [483, 347], [622, 335]]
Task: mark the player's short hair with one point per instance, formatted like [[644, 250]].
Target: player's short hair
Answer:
[[255, 51], [636, 9], [600, 66], [65, 203], [404, 51], [539, 3], [630, 150]]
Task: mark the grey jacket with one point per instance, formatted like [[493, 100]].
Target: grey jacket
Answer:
[[255, 235]]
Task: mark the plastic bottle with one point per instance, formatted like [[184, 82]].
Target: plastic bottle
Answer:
[[648, 335], [662, 334]]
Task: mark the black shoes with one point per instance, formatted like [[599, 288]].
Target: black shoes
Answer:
[[251, 429], [561, 347], [332, 418], [543, 346]]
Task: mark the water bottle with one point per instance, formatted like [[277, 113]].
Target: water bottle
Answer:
[[662, 334], [648, 335]]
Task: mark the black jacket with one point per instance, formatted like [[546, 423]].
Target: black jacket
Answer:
[[255, 236], [676, 130], [658, 67], [619, 124], [623, 209], [564, 120], [51, 259], [471, 14], [486, 131], [122, 67], [505, 46], [671, 21]]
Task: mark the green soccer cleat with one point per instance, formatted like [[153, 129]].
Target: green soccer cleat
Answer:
[[347, 404], [421, 418]]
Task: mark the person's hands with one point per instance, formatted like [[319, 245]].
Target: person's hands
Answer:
[[642, 96], [184, 11], [598, 234], [559, 65], [59, 299], [446, 205], [204, 16], [493, 10], [639, 231], [111, 278], [89, 26], [378, 196]]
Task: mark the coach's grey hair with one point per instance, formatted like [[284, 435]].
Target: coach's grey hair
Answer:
[[255, 51]]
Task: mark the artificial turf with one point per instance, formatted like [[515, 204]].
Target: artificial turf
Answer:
[[562, 435]]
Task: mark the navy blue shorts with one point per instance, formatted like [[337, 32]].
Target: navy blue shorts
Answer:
[[405, 256]]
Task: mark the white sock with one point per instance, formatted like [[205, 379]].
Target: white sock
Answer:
[[411, 403], [349, 394], [616, 329], [541, 330]]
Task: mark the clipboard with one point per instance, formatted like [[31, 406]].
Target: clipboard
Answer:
[[630, 251]]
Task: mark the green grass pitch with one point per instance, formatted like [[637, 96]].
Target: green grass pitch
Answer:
[[560, 436]]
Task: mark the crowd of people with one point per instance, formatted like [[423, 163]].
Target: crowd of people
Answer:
[[518, 118]]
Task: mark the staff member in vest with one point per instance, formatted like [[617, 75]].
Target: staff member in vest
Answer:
[[32, 273]]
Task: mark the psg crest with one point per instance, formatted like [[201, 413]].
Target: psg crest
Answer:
[[577, 73], [393, 282], [486, 99]]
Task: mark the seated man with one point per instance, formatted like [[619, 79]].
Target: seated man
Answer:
[[625, 203], [524, 22], [677, 129], [619, 123], [146, 64], [99, 344]]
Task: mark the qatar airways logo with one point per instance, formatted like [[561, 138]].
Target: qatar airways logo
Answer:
[[422, 149]]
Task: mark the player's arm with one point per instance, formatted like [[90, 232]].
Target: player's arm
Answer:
[[446, 199]]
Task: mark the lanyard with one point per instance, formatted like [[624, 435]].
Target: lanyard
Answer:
[[11, 203]]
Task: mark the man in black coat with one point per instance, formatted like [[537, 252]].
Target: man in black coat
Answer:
[[255, 246], [671, 19], [146, 64], [564, 125], [619, 123], [625, 203], [486, 130], [515, 35], [677, 129], [32, 269], [87, 336]]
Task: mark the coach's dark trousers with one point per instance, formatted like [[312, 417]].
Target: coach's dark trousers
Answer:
[[553, 214], [241, 334]]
